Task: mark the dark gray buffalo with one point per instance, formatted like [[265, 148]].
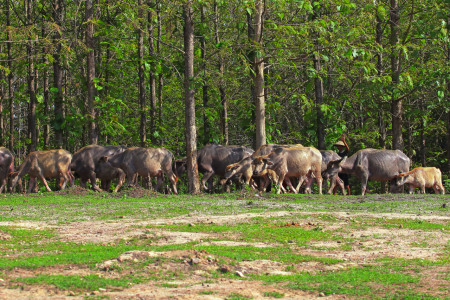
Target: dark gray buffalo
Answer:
[[146, 162], [85, 160], [371, 164], [6, 166], [213, 160], [107, 173]]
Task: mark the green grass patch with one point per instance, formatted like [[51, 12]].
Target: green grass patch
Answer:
[[250, 253], [414, 224], [258, 232], [355, 281], [236, 296], [75, 282], [273, 294]]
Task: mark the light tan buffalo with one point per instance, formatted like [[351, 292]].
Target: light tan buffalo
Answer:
[[266, 149], [299, 162], [45, 164], [244, 169], [423, 177]]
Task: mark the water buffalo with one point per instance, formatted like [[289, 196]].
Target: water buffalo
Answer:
[[85, 160], [266, 149], [45, 164], [298, 162], [244, 168], [6, 166], [146, 162], [371, 164], [422, 177], [106, 173], [213, 160], [328, 156]]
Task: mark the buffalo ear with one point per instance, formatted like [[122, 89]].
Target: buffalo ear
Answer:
[[104, 158]]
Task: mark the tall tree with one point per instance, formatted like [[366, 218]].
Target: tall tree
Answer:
[[191, 135], [31, 81], [318, 84], [45, 89], [141, 81], [90, 69], [223, 98], [396, 101], [152, 77], [258, 69], [10, 76], [160, 77], [206, 125], [58, 75]]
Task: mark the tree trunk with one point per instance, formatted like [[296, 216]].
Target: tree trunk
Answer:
[[191, 135], [396, 103], [151, 52], [45, 88], [448, 96], [30, 81], [10, 78], [379, 40], [318, 89], [206, 126], [2, 98], [57, 76], [141, 83], [258, 68], [90, 45], [223, 98], [160, 78]]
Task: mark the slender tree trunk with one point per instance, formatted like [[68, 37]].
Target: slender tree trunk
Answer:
[[318, 90], [152, 78], [206, 126], [10, 78], [45, 89], [448, 96], [381, 115], [30, 81], [258, 68], [160, 78], [90, 44], [141, 84], [422, 136], [58, 76], [2, 98], [223, 98], [396, 103], [191, 135]]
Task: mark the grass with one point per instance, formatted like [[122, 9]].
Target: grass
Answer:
[[288, 240], [76, 282], [355, 281]]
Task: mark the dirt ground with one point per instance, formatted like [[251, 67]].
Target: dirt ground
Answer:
[[368, 245]]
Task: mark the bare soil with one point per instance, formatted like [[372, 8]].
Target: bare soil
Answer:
[[367, 245]]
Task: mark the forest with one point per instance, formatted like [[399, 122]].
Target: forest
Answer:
[[181, 74]]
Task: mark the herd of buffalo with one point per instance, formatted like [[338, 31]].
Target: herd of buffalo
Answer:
[[283, 165]]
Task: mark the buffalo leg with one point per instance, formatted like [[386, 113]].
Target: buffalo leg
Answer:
[[93, 181], [3, 185], [45, 182], [120, 182], [31, 184], [206, 177]]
